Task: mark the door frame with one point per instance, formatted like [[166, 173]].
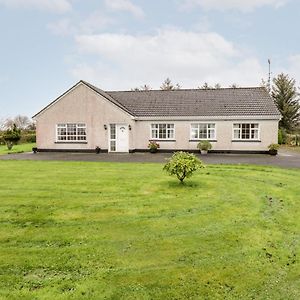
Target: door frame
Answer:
[[116, 139]]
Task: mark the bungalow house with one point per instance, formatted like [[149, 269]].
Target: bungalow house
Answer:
[[86, 117]]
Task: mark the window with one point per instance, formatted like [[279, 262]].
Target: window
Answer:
[[203, 131], [162, 131], [71, 132], [113, 137], [246, 131]]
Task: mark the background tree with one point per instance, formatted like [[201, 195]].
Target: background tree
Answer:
[[205, 86], [234, 86], [22, 122], [286, 97], [167, 85], [12, 136], [144, 87], [265, 85]]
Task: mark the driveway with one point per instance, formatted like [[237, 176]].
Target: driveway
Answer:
[[284, 159]]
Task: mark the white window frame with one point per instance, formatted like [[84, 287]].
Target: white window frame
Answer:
[[202, 139], [240, 129], [162, 139], [78, 125]]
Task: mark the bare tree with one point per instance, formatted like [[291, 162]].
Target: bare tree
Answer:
[[22, 122]]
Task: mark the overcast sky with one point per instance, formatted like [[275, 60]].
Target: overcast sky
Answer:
[[48, 45]]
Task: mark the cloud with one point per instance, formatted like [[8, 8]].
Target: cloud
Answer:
[[190, 58], [94, 22], [62, 27], [57, 6], [292, 67], [242, 5], [91, 24], [125, 5]]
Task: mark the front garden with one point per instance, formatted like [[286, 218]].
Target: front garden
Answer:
[[79, 230]]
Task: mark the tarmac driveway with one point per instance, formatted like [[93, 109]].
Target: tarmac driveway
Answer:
[[284, 159]]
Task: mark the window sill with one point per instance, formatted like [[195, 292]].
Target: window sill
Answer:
[[162, 140], [212, 141], [69, 142], [246, 141]]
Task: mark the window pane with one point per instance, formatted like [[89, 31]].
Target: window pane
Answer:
[[203, 131], [112, 145], [211, 134], [112, 131], [237, 134], [162, 131], [245, 131], [170, 134], [194, 133], [254, 134], [154, 134]]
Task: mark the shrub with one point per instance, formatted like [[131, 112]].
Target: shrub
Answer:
[[28, 138], [273, 147], [153, 146], [12, 136], [183, 165], [204, 145]]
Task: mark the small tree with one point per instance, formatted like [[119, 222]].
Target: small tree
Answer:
[[183, 165], [205, 86], [167, 85], [12, 136]]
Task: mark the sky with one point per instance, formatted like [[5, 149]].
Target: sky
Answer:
[[48, 45]]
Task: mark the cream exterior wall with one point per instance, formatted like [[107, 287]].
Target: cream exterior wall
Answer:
[[224, 132], [83, 105]]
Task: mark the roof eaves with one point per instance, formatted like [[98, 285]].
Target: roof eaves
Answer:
[[54, 101], [108, 97], [102, 93]]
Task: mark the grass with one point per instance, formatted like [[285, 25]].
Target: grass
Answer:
[[78, 230], [17, 148]]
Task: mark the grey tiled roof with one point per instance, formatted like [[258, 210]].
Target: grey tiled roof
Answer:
[[196, 102]]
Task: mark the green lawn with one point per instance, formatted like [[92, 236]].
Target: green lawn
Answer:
[[17, 148], [72, 230]]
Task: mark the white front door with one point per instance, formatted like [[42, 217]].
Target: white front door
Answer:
[[122, 138]]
